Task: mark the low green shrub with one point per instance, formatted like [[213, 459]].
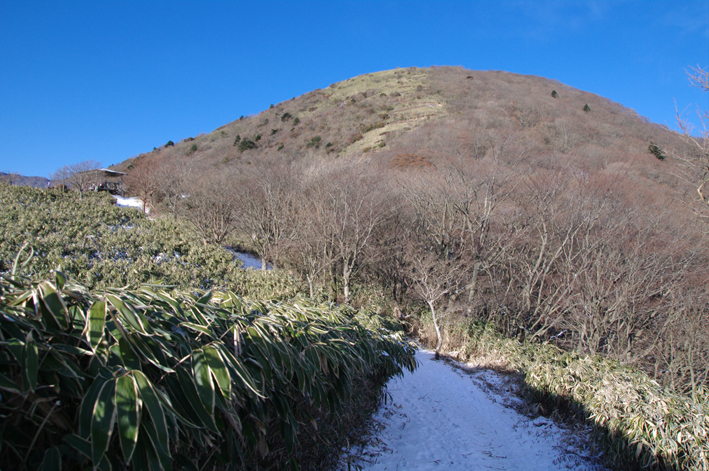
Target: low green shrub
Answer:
[[656, 151], [314, 142], [246, 144], [147, 379]]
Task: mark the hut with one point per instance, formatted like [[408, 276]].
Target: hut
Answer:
[[103, 179]]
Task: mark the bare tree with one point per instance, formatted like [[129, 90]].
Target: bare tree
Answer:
[[268, 209], [387, 259], [80, 176], [355, 207], [434, 277], [476, 192], [311, 252], [144, 181], [173, 182], [212, 208], [695, 157], [437, 262]]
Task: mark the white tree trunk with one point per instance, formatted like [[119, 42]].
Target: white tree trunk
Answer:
[[438, 331]]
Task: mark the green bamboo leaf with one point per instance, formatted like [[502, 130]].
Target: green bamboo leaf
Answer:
[[197, 327], [96, 323], [128, 408], [30, 364], [151, 402], [81, 445], [198, 316], [219, 370], [242, 373], [59, 279], [104, 464], [102, 421], [128, 356], [71, 349], [195, 403], [52, 460], [205, 299], [147, 354], [52, 303], [264, 361], [203, 380], [171, 301], [86, 409], [140, 456], [127, 314], [9, 385], [159, 458]]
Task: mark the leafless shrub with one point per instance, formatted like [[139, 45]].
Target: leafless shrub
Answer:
[[212, 208]]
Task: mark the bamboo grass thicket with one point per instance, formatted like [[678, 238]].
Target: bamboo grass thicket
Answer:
[[101, 245], [640, 424], [146, 377]]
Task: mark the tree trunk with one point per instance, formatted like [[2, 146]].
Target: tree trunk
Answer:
[[438, 331], [346, 272], [472, 286], [310, 285]]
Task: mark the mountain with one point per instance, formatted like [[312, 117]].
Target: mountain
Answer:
[[21, 180], [416, 117]]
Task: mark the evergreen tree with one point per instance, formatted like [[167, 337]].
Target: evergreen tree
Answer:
[[656, 151]]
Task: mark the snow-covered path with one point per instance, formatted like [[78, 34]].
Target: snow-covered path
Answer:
[[439, 418]]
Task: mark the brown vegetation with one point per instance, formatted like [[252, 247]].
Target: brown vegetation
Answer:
[[524, 211]]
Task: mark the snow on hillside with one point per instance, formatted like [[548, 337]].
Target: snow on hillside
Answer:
[[441, 417], [251, 261], [133, 202]]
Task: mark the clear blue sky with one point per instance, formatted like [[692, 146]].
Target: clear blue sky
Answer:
[[107, 80]]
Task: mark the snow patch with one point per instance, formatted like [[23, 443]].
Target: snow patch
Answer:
[[250, 261], [439, 417], [133, 202]]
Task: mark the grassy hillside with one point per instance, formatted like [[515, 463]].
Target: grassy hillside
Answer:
[[437, 113]]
